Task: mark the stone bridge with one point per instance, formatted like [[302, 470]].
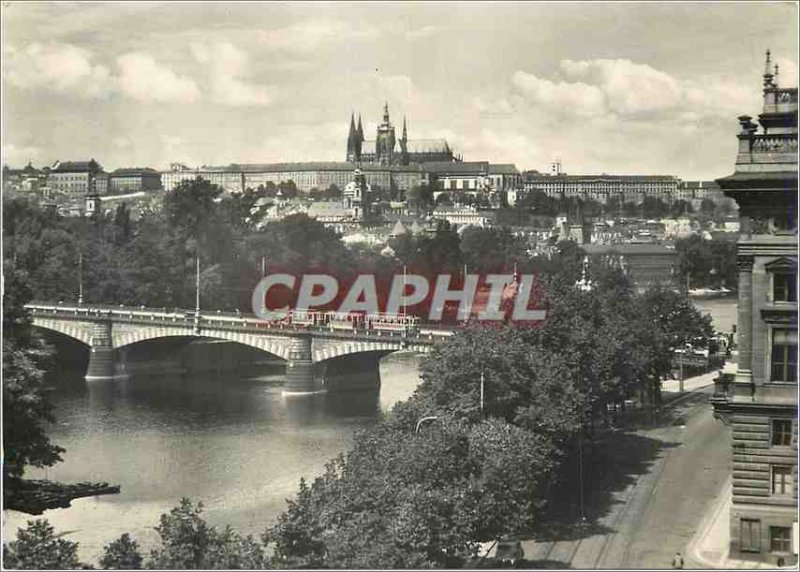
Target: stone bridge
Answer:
[[106, 329]]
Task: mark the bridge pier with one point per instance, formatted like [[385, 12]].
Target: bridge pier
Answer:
[[300, 378], [357, 372], [101, 353]]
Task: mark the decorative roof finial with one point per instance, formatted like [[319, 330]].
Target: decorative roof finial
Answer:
[[386, 112], [775, 79], [768, 71]]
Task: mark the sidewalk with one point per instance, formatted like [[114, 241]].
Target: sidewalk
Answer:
[[709, 546]]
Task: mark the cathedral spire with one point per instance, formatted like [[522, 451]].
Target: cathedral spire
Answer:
[[351, 140], [405, 131], [359, 129], [386, 112]]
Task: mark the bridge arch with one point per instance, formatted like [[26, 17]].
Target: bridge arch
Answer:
[[324, 350], [79, 331], [277, 346]]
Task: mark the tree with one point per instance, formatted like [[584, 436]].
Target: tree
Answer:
[[708, 207], [653, 207], [38, 548], [403, 499], [333, 192], [681, 208], [122, 554], [25, 405], [420, 196], [484, 249], [444, 199], [188, 542]]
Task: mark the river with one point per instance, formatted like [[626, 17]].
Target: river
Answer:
[[233, 442]]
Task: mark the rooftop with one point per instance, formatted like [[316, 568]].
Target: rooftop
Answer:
[[531, 176], [627, 249], [133, 171], [76, 166]]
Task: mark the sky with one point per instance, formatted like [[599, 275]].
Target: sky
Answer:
[[622, 88]]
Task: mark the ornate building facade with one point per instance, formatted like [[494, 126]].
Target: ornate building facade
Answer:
[[759, 402], [386, 149]]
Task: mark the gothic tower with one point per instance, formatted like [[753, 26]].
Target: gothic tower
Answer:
[[359, 138], [385, 140], [404, 145], [352, 142]]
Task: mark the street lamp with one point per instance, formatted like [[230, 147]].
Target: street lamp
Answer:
[[80, 277], [423, 420], [583, 285]]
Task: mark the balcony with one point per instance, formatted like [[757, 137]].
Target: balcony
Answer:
[[780, 100], [766, 152]]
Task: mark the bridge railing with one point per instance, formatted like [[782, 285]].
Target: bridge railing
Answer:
[[381, 325]]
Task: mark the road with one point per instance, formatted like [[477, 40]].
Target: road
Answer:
[[650, 503]]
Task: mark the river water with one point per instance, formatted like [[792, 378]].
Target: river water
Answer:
[[233, 442]]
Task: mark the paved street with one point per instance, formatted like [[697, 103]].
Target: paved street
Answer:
[[655, 485]]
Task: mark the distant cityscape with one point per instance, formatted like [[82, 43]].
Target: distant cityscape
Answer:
[[390, 185]]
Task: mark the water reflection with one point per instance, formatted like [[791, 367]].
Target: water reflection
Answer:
[[233, 442]]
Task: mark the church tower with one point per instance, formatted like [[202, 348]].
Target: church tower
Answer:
[[359, 138], [385, 140], [352, 142], [404, 145]]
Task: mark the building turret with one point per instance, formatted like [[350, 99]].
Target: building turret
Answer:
[[768, 72]]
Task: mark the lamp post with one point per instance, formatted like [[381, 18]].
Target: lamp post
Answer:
[[80, 277], [423, 420], [197, 297], [583, 285]]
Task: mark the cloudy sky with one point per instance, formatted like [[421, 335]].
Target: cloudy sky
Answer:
[[608, 87]]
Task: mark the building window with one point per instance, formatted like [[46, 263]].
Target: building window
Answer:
[[781, 480], [784, 355], [784, 288], [781, 432], [780, 538], [750, 535]]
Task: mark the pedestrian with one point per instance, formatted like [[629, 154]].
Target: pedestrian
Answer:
[[677, 562]]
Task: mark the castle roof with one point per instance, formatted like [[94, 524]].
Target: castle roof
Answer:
[[464, 168], [132, 171], [309, 166], [76, 166], [427, 146]]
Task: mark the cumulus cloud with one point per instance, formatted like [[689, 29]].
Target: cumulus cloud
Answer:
[[64, 68], [573, 98], [144, 79], [610, 90], [628, 87], [226, 65], [313, 35], [17, 157]]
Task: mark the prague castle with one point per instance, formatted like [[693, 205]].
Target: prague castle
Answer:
[[386, 149]]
